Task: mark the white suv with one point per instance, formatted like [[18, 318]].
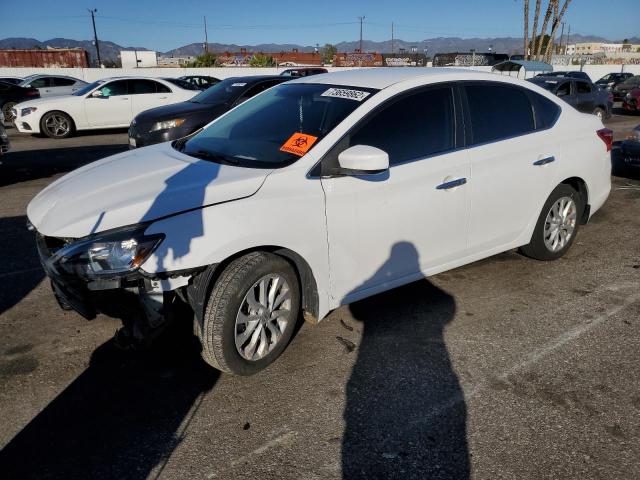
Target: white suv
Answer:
[[316, 193]]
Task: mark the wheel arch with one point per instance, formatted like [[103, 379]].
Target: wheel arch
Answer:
[[73, 121], [200, 288], [581, 187]]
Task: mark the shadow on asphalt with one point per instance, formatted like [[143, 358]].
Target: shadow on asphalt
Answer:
[[28, 165], [405, 415], [121, 418], [20, 270]]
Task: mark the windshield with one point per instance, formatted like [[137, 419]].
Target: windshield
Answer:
[[277, 127], [181, 83], [87, 88], [225, 91]]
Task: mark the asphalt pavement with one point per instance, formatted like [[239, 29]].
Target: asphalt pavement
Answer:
[[507, 368]]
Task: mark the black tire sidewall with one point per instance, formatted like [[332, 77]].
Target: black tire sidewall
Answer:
[[537, 247], [6, 108], [226, 313]]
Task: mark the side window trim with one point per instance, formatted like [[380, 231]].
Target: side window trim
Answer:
[[318, 170], [469, 143]]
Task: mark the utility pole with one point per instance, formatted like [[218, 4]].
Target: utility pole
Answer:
[[391, 38], [361, 19], [561, 38], [568, 35], [206, 38], [95, 34]]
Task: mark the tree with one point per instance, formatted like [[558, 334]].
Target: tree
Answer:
[[329, 52], [207, 59], [525, 53], [260, 60], [542, 42], [536, 16], [558, 19]]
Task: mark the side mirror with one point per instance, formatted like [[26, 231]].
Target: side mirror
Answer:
[[363, 160], [97, 94]]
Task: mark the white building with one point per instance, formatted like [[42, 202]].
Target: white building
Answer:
[[590, 48], [138, 58]]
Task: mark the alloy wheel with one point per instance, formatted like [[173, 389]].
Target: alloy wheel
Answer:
[[263, 317], [560, 224], [57, 125]]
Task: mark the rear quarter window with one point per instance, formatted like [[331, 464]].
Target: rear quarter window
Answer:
[[546, 112]]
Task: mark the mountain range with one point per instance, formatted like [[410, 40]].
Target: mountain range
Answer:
[[109, 50]]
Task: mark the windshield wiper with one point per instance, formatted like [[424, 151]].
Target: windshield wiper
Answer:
[[214, 157]]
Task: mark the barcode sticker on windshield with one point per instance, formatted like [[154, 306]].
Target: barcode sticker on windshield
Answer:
[[357, 95]]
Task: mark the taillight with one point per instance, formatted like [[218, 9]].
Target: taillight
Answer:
[[606, 135], [32, 92]]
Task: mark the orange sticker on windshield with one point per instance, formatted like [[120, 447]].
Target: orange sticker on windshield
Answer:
[[298, 144]]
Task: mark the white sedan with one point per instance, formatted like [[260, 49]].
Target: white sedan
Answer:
[[319, 192], [107, 103]]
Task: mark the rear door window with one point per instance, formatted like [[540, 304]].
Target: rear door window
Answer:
[[140, 87], [498, 111], [546, 112], [415, 126]]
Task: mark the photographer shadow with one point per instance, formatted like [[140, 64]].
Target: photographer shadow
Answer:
[[405, 412]]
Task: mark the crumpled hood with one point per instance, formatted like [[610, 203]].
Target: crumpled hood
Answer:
[[136, 186]]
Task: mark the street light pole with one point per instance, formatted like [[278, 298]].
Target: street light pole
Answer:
[[95, 34], [361, 19]]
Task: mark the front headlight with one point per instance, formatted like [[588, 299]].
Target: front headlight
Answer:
[[167, 124], [114, 254], [26, 111]]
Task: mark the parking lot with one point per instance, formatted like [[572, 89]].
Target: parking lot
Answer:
[[506, 368]]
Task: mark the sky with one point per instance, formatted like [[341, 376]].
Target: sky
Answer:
[[163, 25]]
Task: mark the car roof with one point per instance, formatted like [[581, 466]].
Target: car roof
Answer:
[[47, 75], [383, 77], [255, 78]]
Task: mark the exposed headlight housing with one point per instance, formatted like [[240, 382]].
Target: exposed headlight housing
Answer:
[[114, 254], [167, 124], [26, 111]]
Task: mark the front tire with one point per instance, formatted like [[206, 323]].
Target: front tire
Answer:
[[557, 225], [6, 111], [600, 113], [251, 314], [56, 125]]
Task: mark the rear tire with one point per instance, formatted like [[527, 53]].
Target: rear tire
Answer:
[[251, 314], [56, 125], [600, 113], [557, 224]]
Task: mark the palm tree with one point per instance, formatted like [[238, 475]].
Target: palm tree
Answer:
[[547, 16], [534, 37], [525, 52], [558, 20]]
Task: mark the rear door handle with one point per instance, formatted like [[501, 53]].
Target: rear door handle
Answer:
[[452, 184], [544, 161]]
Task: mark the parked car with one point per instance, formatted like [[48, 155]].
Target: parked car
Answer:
[[610, 80], [53, 85], [303, 71], [10, 95], [107, 103], [13, 80], [308, 196], [620, 91], [181, 83], [631, 101], [4, 139], [581, 94], [630, 148], [202, 82], [573, 74], [170, 122]]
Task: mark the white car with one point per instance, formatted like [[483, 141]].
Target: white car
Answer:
[[108, 103], [52, 85], [319, 192]]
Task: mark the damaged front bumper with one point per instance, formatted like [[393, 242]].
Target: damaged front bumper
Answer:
[[144, 302]]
